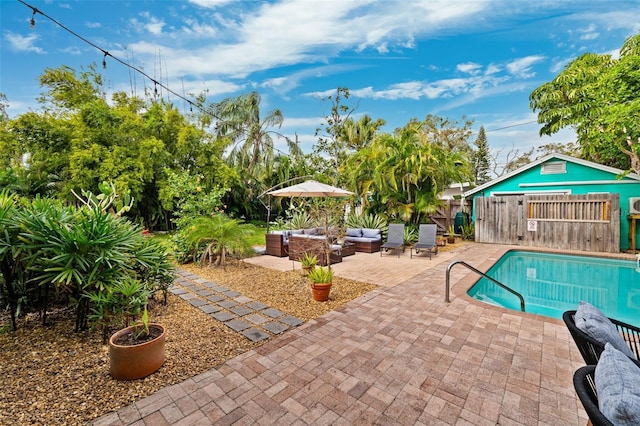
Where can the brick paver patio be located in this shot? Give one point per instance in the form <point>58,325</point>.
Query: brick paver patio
<point>396,356</point>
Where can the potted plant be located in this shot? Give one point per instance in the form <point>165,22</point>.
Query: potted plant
<point>135,351</point>
<point>451,237</point>
<point>308,262</point>
<point>321,279</point>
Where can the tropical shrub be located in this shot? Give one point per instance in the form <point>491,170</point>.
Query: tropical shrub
<point>372,221</point>
<point>301,220</point>
<point>76,255</point>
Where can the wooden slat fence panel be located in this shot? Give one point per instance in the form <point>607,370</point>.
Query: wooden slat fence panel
<point>572,222</point>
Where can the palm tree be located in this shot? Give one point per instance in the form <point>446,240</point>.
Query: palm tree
<point>239,120</point>
<point>221,234</point>
<point>358,134</point>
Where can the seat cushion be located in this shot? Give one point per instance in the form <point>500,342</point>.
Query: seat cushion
<point>617,381</point>
<point>361,239</point>
<point>596,325</point>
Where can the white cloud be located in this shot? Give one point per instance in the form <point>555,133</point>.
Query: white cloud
<point>210,3</point>
<point>522,67</point>
<point>22,43</point>
<point>259,40</point>
<point>469,68</point>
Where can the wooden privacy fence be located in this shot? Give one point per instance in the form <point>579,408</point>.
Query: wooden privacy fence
<point>571,222</point>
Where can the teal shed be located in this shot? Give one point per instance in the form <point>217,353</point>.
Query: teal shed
<point>558,174</point>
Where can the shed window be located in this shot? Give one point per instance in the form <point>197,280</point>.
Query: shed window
<point>554,168</point>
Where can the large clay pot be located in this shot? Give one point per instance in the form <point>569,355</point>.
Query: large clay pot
<point>321,291</point>
<point>129,362</point>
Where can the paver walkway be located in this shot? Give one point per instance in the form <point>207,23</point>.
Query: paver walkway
<point>253,319</point>
<point>396,356</point>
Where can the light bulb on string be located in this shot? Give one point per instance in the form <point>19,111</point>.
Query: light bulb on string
<point>32,21</point>
<point>104,60</point>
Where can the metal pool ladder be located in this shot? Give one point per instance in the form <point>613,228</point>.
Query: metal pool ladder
<point>498,283</point>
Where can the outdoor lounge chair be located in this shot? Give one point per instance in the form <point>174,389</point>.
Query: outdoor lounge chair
<point>426,240</point>
<point>590,349</point>
<point>395,238</point>
<point>584,383</point>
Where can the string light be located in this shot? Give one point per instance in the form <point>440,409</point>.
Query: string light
<point>106,53</point>
<point>32,23</point>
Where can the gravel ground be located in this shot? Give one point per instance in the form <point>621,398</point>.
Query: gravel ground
<point>53,376</point>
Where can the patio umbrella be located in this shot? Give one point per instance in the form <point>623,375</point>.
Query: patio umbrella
<point>310,188</point>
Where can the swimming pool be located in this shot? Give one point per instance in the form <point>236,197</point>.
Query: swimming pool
<point>553,283</point>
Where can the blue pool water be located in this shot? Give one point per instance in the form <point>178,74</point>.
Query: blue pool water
<point>554,283</point>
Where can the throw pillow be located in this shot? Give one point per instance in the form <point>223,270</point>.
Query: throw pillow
<point>354,232</point>
<point>370,233</point>
<point>596,325</point>
<point>617,381</point>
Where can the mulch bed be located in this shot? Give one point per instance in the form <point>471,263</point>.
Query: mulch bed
<point>54,376</point>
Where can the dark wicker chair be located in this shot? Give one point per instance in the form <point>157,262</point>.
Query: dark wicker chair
<point>583,382</point>
<point>591,349</point>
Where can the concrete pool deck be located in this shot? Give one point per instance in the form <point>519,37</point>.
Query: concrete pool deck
<point>398,355</point>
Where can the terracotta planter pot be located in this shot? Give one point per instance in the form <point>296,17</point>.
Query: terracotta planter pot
<point>306,270</point>
<point>136,361</point>
<point>320,292</point>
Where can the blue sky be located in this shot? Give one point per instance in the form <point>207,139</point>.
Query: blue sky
<point>400,59</point>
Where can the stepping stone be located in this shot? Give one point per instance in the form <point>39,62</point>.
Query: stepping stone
<point>178,290</point>
<point>243,299</point>
<point>189,275</point>
<point>273,313</point>
<point>256,319</point>
<point>255,335</point>
<point>210,284</point>
<point>204,292</point>
<point>190,286</point>
<point>219,289</point>
<point>215,298</point>
<point>197,302</point>
<point>227,304</point>
<point>230,293</point>
<point>223,316</point>
<point>258,306</point>
<point>188,296</point>
<point>201,280</point>
<point>210,309</point>
<point>275,327</point>
<point>240,310</point>
<point>291,321</point>
<point>237,325</point>
<point>181,280</point>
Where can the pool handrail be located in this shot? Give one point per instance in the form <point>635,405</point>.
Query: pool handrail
<point>498,283</point>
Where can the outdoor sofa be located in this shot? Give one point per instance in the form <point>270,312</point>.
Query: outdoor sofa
<point>278,241</point>
<point>366,240</point>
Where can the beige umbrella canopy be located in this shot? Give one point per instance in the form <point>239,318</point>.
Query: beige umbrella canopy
<point>310,188</point>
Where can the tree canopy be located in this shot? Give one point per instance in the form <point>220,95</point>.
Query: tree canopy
<point>598,96</point>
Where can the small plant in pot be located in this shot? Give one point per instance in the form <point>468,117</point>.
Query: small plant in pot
<point>135,351</point>
<point>321,279</point>
<point>308,262</point>
<point>451,238</point>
